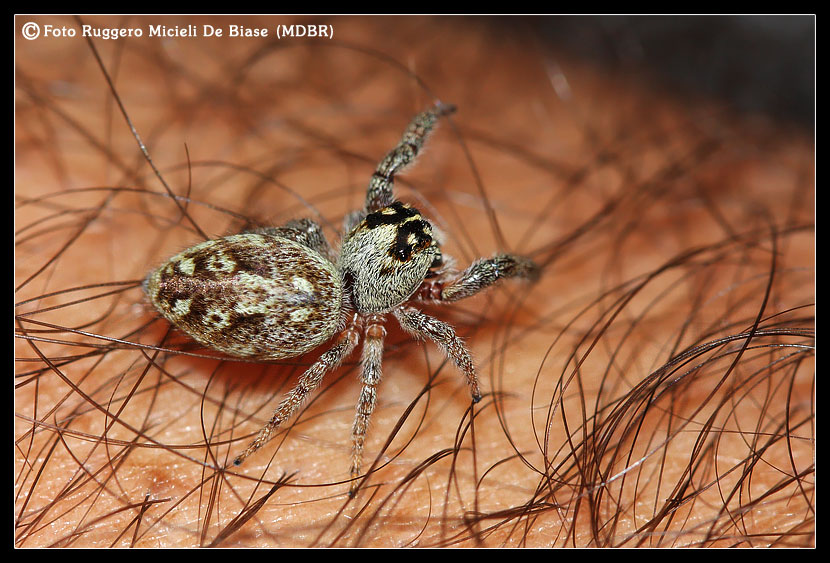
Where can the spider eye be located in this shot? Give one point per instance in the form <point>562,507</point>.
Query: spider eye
<point>438,260</point>
<point>412,234</point>
<point>402,253</point>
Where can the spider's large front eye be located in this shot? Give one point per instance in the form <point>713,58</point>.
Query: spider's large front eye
<point>412,236</point>
<point>407,232</point>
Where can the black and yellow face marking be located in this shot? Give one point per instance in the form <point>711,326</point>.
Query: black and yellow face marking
<point>413,233</point>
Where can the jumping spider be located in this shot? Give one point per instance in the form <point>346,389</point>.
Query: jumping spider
<point>277,293</point>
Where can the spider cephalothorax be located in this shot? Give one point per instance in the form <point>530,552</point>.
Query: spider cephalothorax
<point>386,256</point>
<point>280,292</point>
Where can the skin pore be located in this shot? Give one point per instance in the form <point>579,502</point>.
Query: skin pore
<point>655,387</point>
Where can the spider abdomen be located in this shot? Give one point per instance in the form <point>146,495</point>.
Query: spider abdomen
<point>251,295</point>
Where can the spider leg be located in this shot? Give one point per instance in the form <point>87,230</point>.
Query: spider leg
<point>309,381</point>
<point>372,359</point>
<point>379,194</point>
<point>423,326</point>
<point>304,231</point>
<point>479,276</point>
<point>351,220</point>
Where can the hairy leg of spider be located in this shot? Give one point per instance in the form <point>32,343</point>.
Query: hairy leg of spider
<point>423,326</point>
<point>351,220</point>
<point>380,194</point>
<point>304,231</point>
<point>308,382</point>
<point>479,276</point>
<point>372,361</point>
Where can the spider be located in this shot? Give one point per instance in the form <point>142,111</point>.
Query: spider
<point>279,292</point>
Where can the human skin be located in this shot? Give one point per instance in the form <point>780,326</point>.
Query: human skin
<point>653,388</point>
